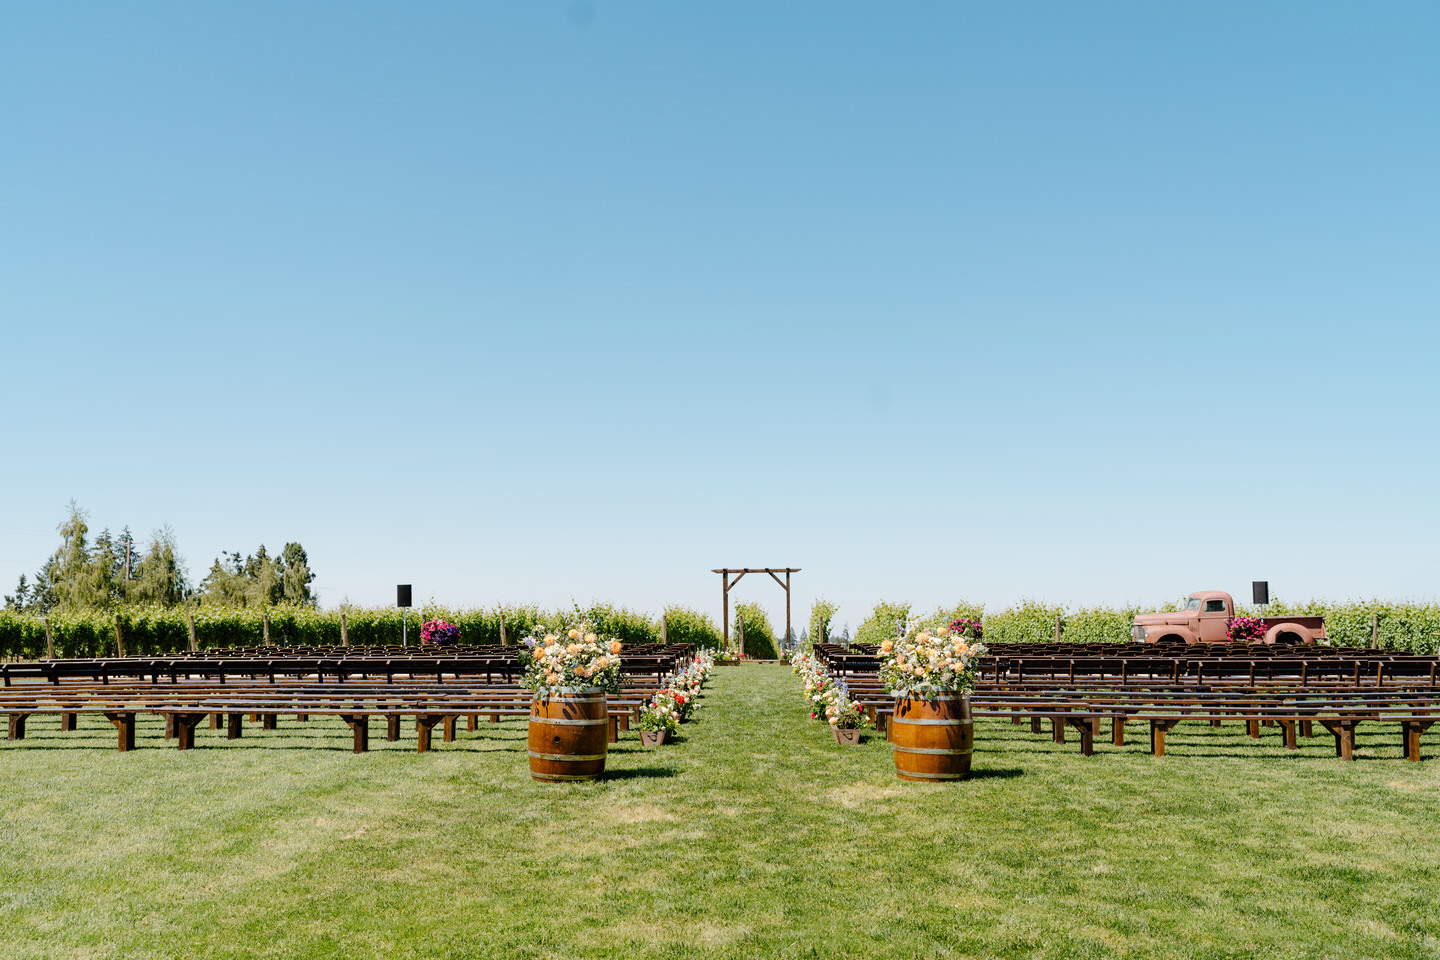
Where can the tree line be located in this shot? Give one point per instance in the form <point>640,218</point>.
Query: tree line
<point>106,572</point>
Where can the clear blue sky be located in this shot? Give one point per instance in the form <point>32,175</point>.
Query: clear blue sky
<point>524,301</point>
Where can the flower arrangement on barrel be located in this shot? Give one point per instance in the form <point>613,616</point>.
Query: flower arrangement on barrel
<point>570,669</point>
<point>570,660</point>
<point>930,671</point>
<point>1245,629</point>
<point>439,633</point>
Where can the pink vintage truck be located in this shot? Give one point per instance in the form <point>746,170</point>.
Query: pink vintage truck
<point>1203,619</point>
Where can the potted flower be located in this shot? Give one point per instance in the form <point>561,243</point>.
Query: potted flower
<point>439,633</point>
<point>659,719</point>
<point>570,670</point>
<point>930,671</point>
<point>846,717</point>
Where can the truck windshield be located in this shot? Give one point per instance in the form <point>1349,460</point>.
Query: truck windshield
<point>1192,603</point>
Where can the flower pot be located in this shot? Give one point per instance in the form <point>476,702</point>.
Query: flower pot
<point>653,738</point>
<point>933,738</point>
<point>569,734</point>
<point>846,738</point>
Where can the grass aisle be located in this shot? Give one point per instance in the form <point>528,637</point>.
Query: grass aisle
<point>756,837</point>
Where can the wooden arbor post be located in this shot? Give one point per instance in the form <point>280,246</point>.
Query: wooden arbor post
<point>726,584</point>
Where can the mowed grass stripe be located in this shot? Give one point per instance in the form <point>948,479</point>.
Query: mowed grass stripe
<point>756,836</point>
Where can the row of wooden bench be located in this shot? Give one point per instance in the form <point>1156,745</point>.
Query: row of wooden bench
<point>171,669</point>
<point>1294,710</point>
<point>184,705</point>
<point>1382,671</point>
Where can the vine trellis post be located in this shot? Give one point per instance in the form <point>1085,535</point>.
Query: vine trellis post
<point>726,584</point>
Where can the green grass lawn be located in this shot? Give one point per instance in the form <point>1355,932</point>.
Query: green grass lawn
<point>755,837</point>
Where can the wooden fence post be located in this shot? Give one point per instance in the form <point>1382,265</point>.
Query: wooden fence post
<point>265,615</point>
<point>193,645</point>
<point>740,629</point>
<point>502,628</point>
<point>664,629</point>
<point>344,631</point>
<point>49,641</point>
<point>119,640</point>
<point>1058,628</point>
<point>1375,630</point>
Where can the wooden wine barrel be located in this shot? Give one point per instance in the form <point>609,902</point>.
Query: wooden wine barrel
<point>569,734</point>
<point>933,738</point>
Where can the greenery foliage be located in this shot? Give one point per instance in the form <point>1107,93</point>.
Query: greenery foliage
<point>759,635</point>
<point>883,623</point>
<point>683,625</point>
<point>157,629</point>
<point>822,611</point>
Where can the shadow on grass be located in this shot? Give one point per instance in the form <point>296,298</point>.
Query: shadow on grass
<point>639,773</point>
<point>1007,773</point>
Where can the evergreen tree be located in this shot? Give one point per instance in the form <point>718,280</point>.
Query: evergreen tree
<point>159,576</point>
<point>296,576</point>
<point>19,601</point>
<point>70,571</point>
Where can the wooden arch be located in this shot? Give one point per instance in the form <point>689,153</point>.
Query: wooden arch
<point>726,584</point>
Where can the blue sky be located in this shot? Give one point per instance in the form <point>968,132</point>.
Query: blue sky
<point>525,301</point>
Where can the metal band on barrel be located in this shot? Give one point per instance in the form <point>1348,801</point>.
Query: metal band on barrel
<point>570,723</point>
<point>567,756</point>
<point>939,751</point>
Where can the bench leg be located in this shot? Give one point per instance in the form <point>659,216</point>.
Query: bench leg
<point>624,720</point>
<point>1252,729</point>
<point>450,729</point>
<point>614,732</point>
<point>1035,721</point>
<point>17,726</point>
<point>472,722</point>
<point>125,728</point>
<point>185,724</point>
<point>1288,728</point>
<point>1086,726</point>
<point>267,720</point>
<point>392,727</point>
<point>1411,730</point>
<point>1057,729</point>
<point>169,726</point>
<point>1344,732</point>
<point>1117,731</point>
<point>494,718</point>
<point>234,723</point>
<point>302,718</point>
<point>1307,728</point>
<point>67,722</point>
<point>1214,721</point>
<point>1158,729</point>
<point>423,723</point>
<point>1015,716</point>
<point>360,725</point>
<point>214,721</point>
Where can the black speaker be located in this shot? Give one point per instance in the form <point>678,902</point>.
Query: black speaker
<point>402,595</point>
<point>1260,591</point>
